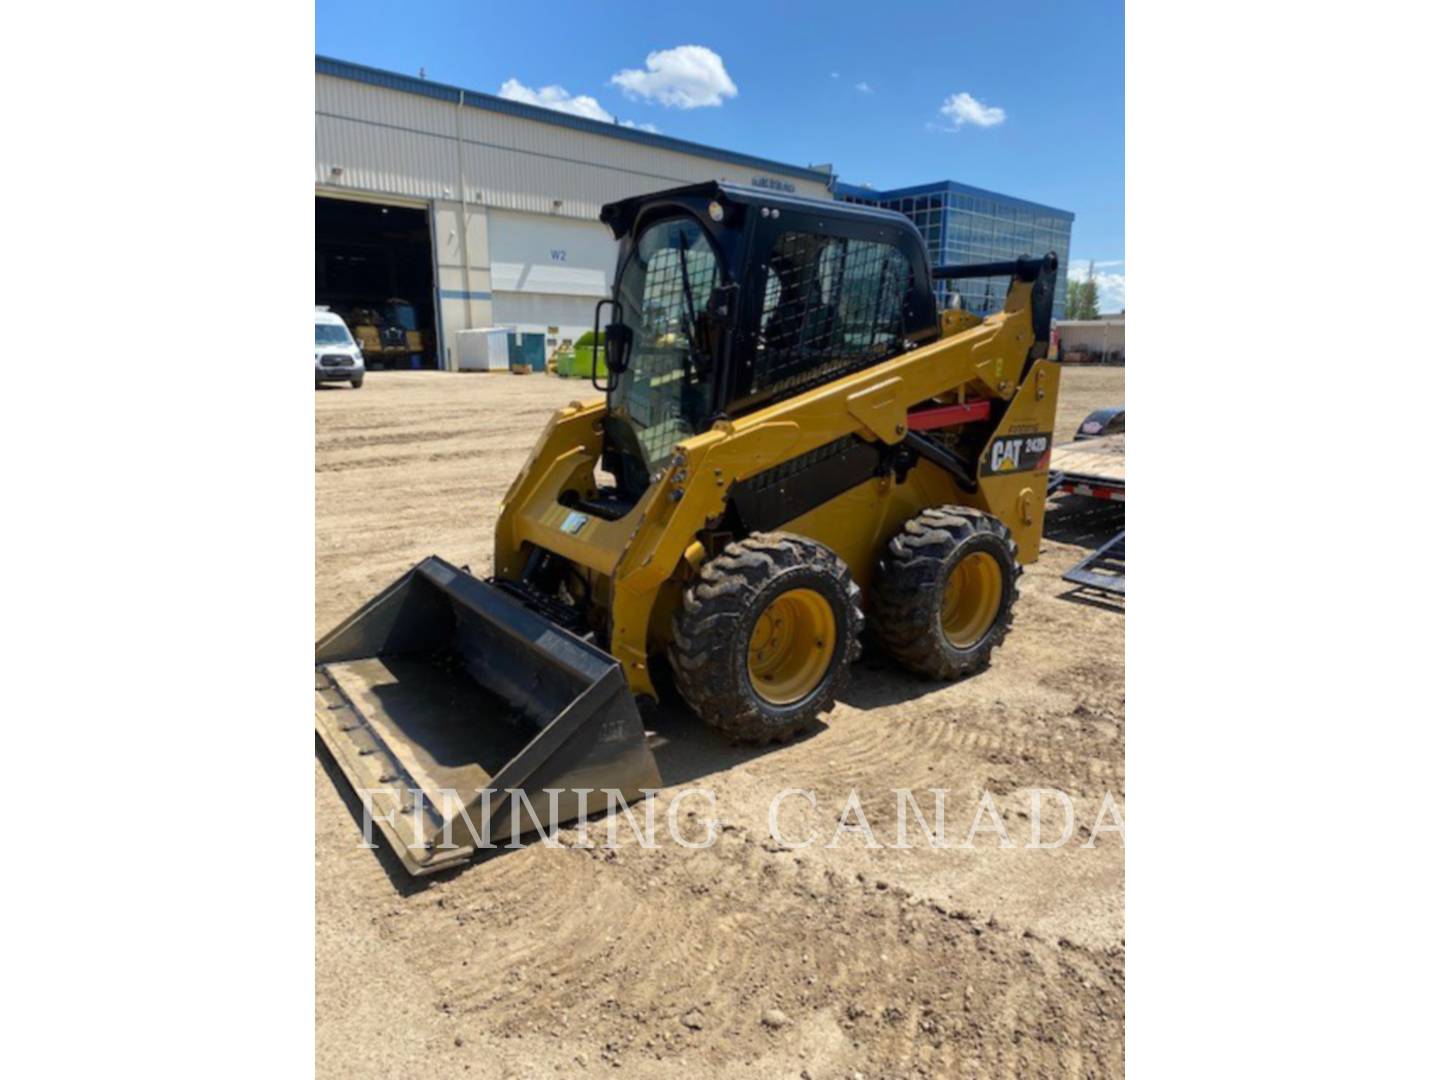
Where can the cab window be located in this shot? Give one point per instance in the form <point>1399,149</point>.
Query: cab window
<point>831,305</point>
<point>664,290</point>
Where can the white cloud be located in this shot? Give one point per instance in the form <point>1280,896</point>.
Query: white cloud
<point>685,77</point>
<point>864,88</point>
<point>962,109</point>
<point>834,74</point>
<point>557,98</point>
<point>1109,283</point>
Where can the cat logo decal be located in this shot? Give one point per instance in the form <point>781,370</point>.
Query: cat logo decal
<point>1020,453</point>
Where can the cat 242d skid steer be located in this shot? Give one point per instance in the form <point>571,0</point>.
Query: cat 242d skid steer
<point>793,444</point>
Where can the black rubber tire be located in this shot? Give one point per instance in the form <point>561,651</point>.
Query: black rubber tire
<point>909,589</point>
<point>357,382</point>
<point>710,639</point>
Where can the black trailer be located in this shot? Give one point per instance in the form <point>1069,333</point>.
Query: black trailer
<point>1093,466</point>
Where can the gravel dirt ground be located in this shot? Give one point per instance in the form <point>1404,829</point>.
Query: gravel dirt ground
<point>744,959</point>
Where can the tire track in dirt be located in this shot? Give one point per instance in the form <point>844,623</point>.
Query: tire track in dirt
<point>905,752</point>
<point>703,972</point>
<point>405,460</point>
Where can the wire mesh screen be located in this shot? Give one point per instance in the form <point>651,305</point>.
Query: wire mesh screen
<point>664,285</point>
<point>832,305</point>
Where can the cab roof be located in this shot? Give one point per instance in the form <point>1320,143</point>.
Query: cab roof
<point>621,215</point>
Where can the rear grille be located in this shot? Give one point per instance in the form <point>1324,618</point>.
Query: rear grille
<point>334,360</point>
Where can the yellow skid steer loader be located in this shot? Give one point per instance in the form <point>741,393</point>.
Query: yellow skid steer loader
<point>793,444</point>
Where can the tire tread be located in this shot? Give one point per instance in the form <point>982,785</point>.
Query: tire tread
<point>910,582</point>
<point>714,613</point>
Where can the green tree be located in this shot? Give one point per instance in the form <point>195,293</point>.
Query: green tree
<point>1082,298</point>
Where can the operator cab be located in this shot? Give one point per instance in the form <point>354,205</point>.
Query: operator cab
<point>728,299</point>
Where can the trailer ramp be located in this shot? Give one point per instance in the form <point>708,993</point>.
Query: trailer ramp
<point>1102,569</point>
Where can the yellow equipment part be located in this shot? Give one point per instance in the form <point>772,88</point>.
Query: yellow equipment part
<point>972,599</point>
<point>638,562</point>
<point>791,646</point>
<point>446,689</point>
<point>368,338</point>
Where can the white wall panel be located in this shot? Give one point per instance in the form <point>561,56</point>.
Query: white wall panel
<point>453,278</point>
<point>534,313</point>
<point>448,248</point>
<point>549,254</point>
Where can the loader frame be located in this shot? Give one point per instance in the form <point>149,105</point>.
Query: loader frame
<point>636,563</point>
<point>446,690</point>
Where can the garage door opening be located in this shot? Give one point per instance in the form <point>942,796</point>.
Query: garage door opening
<point>375,269</point>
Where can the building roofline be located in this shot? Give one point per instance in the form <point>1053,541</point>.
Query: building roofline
<point>947,186</point>
<point>391,80</point>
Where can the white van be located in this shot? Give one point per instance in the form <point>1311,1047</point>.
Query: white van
<point>337,357</point>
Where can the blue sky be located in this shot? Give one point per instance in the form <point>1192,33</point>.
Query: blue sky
<point>1023,99</point>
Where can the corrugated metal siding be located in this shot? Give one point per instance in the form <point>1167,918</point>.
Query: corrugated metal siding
<point>402,143</point>
<point>384,160</point>
<point>342,97</point>
<point>453,95</point>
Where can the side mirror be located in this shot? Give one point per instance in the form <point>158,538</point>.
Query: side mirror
<point>618,337</point>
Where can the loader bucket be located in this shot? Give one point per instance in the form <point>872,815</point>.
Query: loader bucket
<point>444,694</point>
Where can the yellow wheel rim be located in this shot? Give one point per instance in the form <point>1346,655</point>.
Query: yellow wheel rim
<point>972,599</point>
<point>791,646</point>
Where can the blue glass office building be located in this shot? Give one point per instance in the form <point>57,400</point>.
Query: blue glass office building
<point>963,224</point>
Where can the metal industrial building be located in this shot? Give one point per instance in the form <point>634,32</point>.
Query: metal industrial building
<point>484,212</point>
